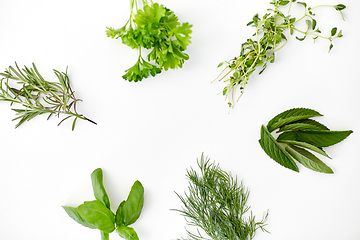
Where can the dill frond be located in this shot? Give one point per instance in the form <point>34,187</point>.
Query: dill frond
<point>216,202</point>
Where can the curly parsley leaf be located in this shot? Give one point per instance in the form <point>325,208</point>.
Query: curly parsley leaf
<point>140,70</point>
<point>158,29</point>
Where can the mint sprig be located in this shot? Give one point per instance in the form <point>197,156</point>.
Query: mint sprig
<point>300,139</point>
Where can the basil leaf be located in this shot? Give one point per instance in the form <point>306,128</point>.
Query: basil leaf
<point>274,150</point>
<point>316,137</point>
<point>98,215</point>
<point>119,219</point>
<point>75,214</point>
<point>305,145</point>
<point>308,159</point>
<point>291,116</point>
<point>104,236</point>
<point>133,205</point>
<point>127,232</point>
<point>98,187</point>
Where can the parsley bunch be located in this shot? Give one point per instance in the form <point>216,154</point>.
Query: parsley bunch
<point>158,29</point>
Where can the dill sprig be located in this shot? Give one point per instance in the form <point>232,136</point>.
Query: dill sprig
<point>217,203</point>
<point>37,96</point>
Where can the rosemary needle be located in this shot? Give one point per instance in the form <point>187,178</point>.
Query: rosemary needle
<point>26,87</point>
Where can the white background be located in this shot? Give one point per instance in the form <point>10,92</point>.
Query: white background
<point>156,129</point>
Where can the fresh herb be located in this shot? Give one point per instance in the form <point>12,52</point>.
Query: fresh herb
<point>217,204</point>
<point>299,134</point>
<point>97,214</point>
<point>272,32</point>
<point>38,96</point>
<point>157,28</point>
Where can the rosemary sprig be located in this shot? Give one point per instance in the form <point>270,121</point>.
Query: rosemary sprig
<point>272,32</point>
<point>37,96</point>
<point>217,204</point>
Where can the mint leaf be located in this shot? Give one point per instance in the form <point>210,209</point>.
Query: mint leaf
<point>305,145</point>
<point>308,159</point>
<point>304,124</point>
<point>298,126</point>
<point>290,116</point>
<point>274,150</point>
<point>317,138</point>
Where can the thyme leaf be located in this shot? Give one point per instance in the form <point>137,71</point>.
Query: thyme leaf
<point>272,33</point>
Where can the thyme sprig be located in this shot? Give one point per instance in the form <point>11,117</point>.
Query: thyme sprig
<point>272,33</point>
<point>38,96</point>
<point>217,203</point>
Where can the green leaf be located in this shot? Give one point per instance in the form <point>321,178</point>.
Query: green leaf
<point>313,24</point>
<point>290,116</point>
<point>98,187</point>
<point>340,7</point>
<point>302,3</point>
<point>305,124</point>
<point>305,145</point>
<point>76,215</point>
<point>141,70</point>
<point>318,138</point>
<point>119,219</point>
<point>74,122</point>
<point>331,46</point>
<point>308,159</point>
<point>150,15</point>
<point>340,34</point>
<point>104,235</point>
<point>127,232</point>
<point>333,31</point>
<point>182,34</point>
<point>301,39</point>
<point>274,150</point>
<point>283,3</point>
<point>297,126</point>
<point>133,205</point>
<point>308,23</point>
<point>98,215</point>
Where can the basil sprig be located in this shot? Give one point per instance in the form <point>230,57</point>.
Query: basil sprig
<point>98,215</point>
<point>300,139</point>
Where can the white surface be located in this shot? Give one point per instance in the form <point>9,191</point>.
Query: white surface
<point>154,130</point>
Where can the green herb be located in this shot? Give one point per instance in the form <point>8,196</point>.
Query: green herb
<point>157,28</point>
<point>39,96</point>
<point>98,215</point>
<point>217,204</point>
<point>272,32</point>
<point>299,134</point>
